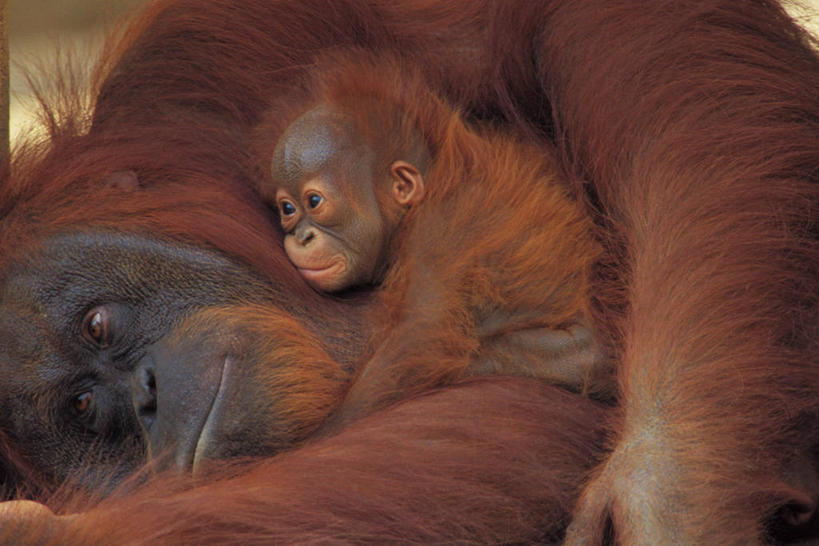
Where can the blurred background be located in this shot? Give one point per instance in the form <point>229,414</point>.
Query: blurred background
<point>39,28</point>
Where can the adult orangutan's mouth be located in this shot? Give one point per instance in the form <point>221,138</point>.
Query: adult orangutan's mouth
<point>206,436</point>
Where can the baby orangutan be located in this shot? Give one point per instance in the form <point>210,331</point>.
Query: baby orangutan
<point>482,257</point>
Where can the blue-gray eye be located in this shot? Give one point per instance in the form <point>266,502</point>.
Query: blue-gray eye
<point>287,208</point>
<point>313,201</point>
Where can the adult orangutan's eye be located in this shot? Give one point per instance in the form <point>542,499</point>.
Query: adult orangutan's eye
<point>96,326</point>
<point>83,403</point>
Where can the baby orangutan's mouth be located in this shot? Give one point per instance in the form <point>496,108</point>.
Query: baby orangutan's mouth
<point>320,276</point>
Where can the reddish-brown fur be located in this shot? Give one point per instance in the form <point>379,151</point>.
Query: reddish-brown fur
<point>705,157</point>
<point>495,251</point>
<point>697,127</point>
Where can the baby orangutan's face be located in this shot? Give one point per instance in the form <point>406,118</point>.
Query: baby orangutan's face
<point>334,233</point>
<point>338,214</point>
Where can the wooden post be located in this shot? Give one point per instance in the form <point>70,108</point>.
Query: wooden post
<point>4,82</point>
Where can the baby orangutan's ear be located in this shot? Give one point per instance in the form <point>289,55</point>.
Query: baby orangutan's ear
<point>408,184</point>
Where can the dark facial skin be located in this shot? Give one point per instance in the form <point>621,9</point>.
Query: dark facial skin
<point>338,214</point>
<point>76,319</point>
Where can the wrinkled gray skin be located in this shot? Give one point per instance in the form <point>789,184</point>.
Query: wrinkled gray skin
<point>145,287</point>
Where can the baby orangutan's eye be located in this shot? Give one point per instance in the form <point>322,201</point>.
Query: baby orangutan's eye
<point>314,200</point>
<point>287,208</point>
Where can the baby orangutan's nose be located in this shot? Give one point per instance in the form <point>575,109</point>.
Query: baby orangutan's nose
<point>305,235</point>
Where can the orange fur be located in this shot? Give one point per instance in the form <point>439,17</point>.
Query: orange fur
<point>497,246</point>
<point>695,127</point>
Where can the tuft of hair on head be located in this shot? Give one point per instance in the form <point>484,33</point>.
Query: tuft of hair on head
<point>386,98</point>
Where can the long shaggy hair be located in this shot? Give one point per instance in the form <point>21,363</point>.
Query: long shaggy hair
<point>695,128</point>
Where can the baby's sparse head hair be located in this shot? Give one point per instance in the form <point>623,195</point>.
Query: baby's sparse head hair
<point>359,101</point>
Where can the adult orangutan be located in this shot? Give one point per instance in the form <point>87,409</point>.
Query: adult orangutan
<point>696,126</point>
